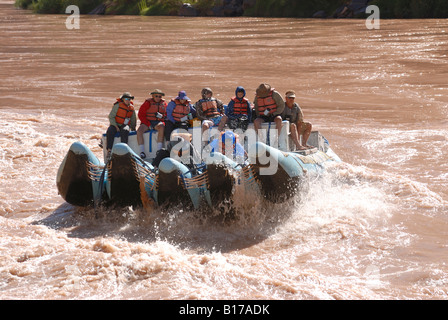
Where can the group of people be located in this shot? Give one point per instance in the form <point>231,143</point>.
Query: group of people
<point>164,117</point>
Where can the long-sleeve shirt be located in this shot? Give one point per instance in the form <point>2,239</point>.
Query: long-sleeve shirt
<point>142,113</point>
<point>113,114</point>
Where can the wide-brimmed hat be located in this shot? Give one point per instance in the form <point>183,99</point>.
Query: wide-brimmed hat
<point>126,95</point>
<point>263,90</point>
<point>158,91</point>
<point>182,95</point>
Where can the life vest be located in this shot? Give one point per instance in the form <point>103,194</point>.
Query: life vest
<point>155,107</point>
<point>123,112</point>
<point>240,106</point>
<point>180,111</point>
<point>267,103</point>
<point>210,108</point>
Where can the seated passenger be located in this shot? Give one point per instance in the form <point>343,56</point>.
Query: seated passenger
<point>298,128</point>
<point>152,115</point>
<point>239,111</point>
<point>178,112</point>
<point>210,111</point>
<point>122,119</point>
<point>268,105</point>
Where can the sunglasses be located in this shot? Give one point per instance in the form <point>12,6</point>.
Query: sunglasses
<point>157,96</point>
<point>127,99</point>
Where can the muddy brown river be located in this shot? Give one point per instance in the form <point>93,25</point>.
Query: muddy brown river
<point>373,227</point>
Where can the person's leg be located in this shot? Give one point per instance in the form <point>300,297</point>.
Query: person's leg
<point>257,124</point>
<point>295,136</point>
<point>222,123</point>
<point>169,127</point>
<point>110,134</point>
<point>278,124</point>
<point>140,131</point>
<point>124,134</point>
<point>160,128</point>
<point>304,128</point>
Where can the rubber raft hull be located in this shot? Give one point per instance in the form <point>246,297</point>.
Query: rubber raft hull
<point>127,180</point>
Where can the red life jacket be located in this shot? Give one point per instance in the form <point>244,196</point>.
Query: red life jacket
<point>210,108</point>
<point>180,111</point>
<point>267,103</point>
<point>155,107</point>
<point>123,111</point>
<point>240,106</point>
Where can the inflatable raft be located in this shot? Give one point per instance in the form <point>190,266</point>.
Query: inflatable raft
<point>272,170</point>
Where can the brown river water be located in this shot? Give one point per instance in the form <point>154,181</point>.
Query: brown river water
<point>373,227</point>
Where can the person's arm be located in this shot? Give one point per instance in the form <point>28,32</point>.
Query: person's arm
<point>299,114</point>
<point>193,111</point>
<point>199,112</point>
<point>164,111</point>
<point>133,123</point>
<point>229,111</point>
<point>279,102</point>
<point>220,106</point>
<point>142,113</point>
<point>169,111</point>
<point>249,111</point>
<point>256,107</point>
<point>112,115</point>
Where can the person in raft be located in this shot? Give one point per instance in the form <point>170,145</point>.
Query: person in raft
<point>122,119</point>
<point>178,112</point>
<point>152,115</point>
<point>210,111</point>
<point>298,128</point>
<point>269,106</point>
<point>239,111</point>
<point>229,146</point>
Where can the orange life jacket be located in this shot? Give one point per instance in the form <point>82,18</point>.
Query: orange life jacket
<point>210,108</point>
<point>155,107</point>
<point>180,111</point>
<point>267,103</point>
<point>123,112</point>
<point>240,106</point>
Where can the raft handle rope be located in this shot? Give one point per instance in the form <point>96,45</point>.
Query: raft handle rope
<point>199,181</point>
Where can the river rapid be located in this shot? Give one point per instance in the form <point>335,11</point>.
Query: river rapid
<point>373,227</point>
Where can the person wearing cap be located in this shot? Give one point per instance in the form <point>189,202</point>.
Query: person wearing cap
<point>298,128</point>
<point>178,112</point>
<point>269,106</point>
<point>239,111</point>
<point>152,114</point>
<point>210,111</point>
<point>122,119</point>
